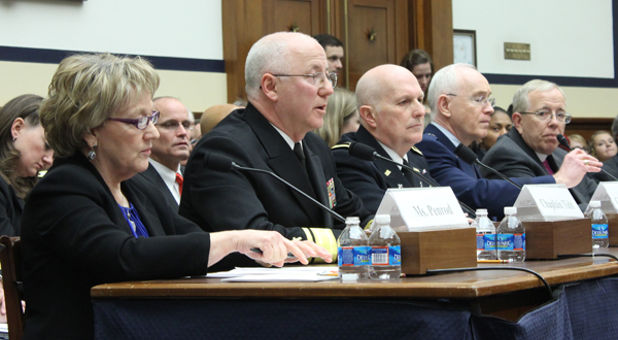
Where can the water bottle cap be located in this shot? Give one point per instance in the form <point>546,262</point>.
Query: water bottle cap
<point>510,210</point>
<point>595,204</point>
<point>352,220</point>
<point>481,211</point>
<point>383,219</point>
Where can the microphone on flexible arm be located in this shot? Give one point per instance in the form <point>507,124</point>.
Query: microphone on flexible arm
<point>469,156</point>
<point>366,152</point>
<point>221,163</point>
<point>564,142</point>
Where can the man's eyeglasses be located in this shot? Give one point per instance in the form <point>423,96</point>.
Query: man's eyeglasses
<point>141,122</point>
<point>174,124</point>
<point>480,100</point>
<point>316,79</point>
<point>546,115</point>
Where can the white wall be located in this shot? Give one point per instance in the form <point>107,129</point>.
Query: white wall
<point>181,28</point>
<point>569,38</point>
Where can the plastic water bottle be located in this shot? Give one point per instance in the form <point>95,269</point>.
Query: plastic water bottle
<point>511,237</point>
<point>600,231</point>
<point>385,251</point>
<point>353,252</point>
<point>485,236</point>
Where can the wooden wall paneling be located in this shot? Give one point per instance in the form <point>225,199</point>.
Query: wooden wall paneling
<point>371,36</point>
<point>431,28</point>
<point>587,126</point>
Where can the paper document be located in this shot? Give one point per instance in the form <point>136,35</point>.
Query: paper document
<point>287,274</point>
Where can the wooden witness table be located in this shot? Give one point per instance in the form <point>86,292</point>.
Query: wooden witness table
<point>506,294</point>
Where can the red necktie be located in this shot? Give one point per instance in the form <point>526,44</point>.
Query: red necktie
<point>547,167</point>
<point>179,180</point>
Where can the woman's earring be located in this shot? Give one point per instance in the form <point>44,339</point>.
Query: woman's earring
<point>92,154</point>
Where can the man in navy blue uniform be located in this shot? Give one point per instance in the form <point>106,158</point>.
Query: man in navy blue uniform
<point>460,100</point>
<point>390,105</point>
<point>287,87</point>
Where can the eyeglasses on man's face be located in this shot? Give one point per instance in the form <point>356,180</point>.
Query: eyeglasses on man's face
<point>316,78</point>
<point>141,122</point>
<point>546,115</point>
<point>481,100</point>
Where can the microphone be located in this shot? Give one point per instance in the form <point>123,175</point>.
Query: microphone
<point>469,156</point>
<point>365,152</point>
<point>220,163</point>
<point>564,142</point>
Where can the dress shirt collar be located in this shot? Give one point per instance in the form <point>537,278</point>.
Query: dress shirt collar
<point>168,176</point>
<point>541,156</point>
<point>393,155</point>
<point>447,133</point>
<point>286,138</point>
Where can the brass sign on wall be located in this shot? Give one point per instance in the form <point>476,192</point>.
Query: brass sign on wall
<point>516,51</point>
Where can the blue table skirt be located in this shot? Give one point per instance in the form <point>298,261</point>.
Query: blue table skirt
<point>585,310</point>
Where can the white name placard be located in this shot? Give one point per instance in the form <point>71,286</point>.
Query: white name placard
<point>419,209</point>
<point>607,193</point>
<point>546,202</point>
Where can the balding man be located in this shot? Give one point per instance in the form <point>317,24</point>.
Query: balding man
<point>287,87</point>
<point>170,149</point>
<point>531,147</point>
<point>460,98</point>
<point>390,104</point>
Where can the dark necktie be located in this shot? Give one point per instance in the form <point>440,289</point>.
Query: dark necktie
<point>298,150</point>
<point>407,173</point>
<point>547,166</point>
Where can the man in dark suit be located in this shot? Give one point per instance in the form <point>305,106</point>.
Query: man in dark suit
<point>531,147</point>
<point>459,97</point>
<point>171,148</point>
<point>287,88</point>
<point>390,105</point>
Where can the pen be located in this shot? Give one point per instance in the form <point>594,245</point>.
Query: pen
<point>259,251</point>
<point>491,261</point>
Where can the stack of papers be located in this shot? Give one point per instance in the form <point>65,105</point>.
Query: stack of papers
<point>285,274</point>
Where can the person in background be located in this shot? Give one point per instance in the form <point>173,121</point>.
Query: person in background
<point>195,132</point>
<point>333,48</point>
<point>88,222</point>
<point>341,116</point>
<point>213,115</point>
<point>499,124</point>
<point>419,62</point>
<point>24,152</point>
<point>578,141</point>
<point>603,146</point>
<point>169,150</point>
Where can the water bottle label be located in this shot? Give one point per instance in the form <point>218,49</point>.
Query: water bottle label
<point>345,256</point>
<point>386,256</point>
<point>600,231</point>
<point>489,242</point>
<point>479,242</point>
<point>362,256</point>
<point>519,241</point>
<point>354,256</point>
<point>505,242</point>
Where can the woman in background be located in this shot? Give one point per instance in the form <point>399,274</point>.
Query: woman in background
<point>89,221</point>
<point>23,153</point>
<point>603,147</point>
<point>341,116</point>
<point>578,141</point>
<point>499,124</point>
<point>419,62</point>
